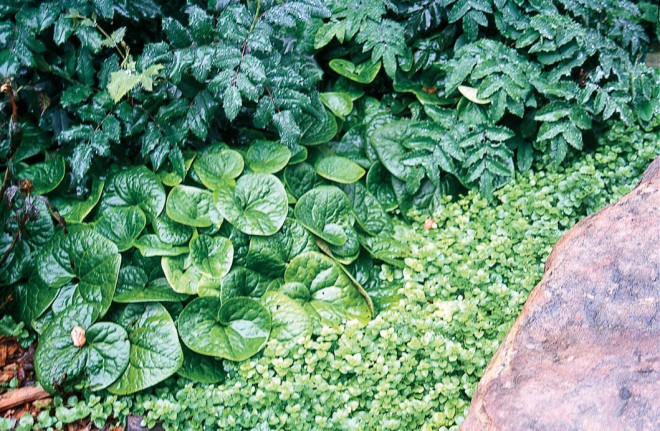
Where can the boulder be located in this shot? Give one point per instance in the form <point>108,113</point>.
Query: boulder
<point>584,354</point>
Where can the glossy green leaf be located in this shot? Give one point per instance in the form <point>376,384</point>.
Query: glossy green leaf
<point>330,295</point>
<point>269,255</point>
<point>363,73</point>
<point>33,298</point>
<point>338,169</point>
<point>218,167</point>
<point>369,213</point>
<point>289,319</point>
<point>325,211</point>
<point>192,206</point>
<point>85,260</point>
<point>211,256</point>
<point>257,205</point>
<point>122,226</point>
<point>155,352</point>
<point>100,360</point>
<point>301,178</point>
<point>74,210</point>
<point>379,185</point>
<point>267,157</point>
<point>242,281</point>
<point>150,245</point>
<point>45,176</point>
<point>236,329</point>
<point>133,285</point>
<point>388,143</point>
<point>137,187</point>
<point>171,232</point>
<point>181,274</point>
<point>200,368</point>
<point>339,103</point>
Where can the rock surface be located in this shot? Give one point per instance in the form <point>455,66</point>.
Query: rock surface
<point>584,354</point>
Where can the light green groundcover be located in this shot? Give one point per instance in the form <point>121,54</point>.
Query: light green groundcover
<point>416,365</point>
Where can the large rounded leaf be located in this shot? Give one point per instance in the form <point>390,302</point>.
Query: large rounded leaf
<point>269,255</point>
<point>257,205</point>
<point>44,176</point>
<point>136,186</point>
<point>235,330</point>
<point>121,226</point>
<point>192,207</point>
<point>290,320</point>
<point>338,169</point>
<point>155,352</point>
<point>330,295</point>
<point>218,168</point>
<point>212,256</point>
<point>85,260</point>
<point>325,211</point>
<point>363,73</point>
<point>267,157</point>
<point>71,349</point>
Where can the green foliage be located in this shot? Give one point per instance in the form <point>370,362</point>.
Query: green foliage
<point>416,365</point>
<point>229,167</point>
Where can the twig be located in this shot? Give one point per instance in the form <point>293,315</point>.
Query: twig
<point>22,395</point>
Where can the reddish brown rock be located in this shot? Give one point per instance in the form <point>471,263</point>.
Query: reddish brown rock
<point>584,354</point>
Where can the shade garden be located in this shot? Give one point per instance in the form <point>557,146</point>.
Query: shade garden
<point>260,215</point>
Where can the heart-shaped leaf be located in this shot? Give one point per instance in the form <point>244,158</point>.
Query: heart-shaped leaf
<point>289,319</point>
<point>211,256</point>
<point>338,169</point>
<point>236,329</point>
<point>330,295</point>
<point>122,226</point>
<point>267,157</point>
<point>192,207</point>
<point>44,176</point>
<point>325,211</point>
<point>136,186</point>
<point>85,260</point>
<point>155,352</point>
<point>71,349</point>
<point>183,276</point>
<point>218,167</point>
<point>257,205</point>
<point>269,255</point>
